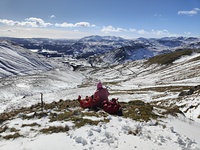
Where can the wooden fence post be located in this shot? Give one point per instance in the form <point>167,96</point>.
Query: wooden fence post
<point>42,102</point>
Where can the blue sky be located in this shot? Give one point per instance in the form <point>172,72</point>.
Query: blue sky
<point>79,18</point>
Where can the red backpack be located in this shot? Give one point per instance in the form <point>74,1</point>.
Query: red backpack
<point>111,107</point>
<point>89,102</point>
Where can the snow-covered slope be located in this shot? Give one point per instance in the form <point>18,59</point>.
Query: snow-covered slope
<point>158,85</point>
<point>15,60</point>
<point>24,74</point>
<point>154,82</point>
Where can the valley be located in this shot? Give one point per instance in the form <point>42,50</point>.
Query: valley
<point>144,87</point>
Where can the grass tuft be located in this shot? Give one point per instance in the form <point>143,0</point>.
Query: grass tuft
<point>79,122</point>
<point>3,129</point>
<point>31,125</point>
<point>12,136</point>
<point>138,110</point>
<point>55,129</point>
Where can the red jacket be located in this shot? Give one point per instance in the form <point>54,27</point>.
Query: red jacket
<point>102,94</point>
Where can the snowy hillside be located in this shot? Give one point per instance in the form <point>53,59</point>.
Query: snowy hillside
<point>159,96</point>
<point>15,60</point>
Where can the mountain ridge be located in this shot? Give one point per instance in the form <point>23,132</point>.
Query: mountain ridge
<point>91,46</point>
<point>104,50</point>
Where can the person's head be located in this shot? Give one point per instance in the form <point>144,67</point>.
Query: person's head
<point>99,86</point>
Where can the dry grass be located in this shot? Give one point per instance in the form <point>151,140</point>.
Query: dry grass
<point>166,59</point>
<point>70,110</point>
<point>54,129</point>
<point>31,125</point>
<point>138,110</point>
<point>3,129</point>
<point>172,111</point>
<point>12,136</point>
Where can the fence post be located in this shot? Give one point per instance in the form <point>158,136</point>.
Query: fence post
<point>42,102</point>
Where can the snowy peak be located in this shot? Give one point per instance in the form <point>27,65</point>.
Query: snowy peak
<point>15,60</point>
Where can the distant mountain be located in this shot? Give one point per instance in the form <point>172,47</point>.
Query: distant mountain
<point>97,38</point>
<point>82,48</point>
<point>126,53</point>
<point>109,48</point>
<point>97,45</point>
<point>44,45</point>
<point>143,48</point>
<point>16,60</point>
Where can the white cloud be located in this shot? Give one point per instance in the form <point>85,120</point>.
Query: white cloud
<point>29,22</point>
<point>65,25</point>
<point>152,33</point>
<point>197,9</point>
<point>132,30</point>
<point>142,31</point>
<point>188,33</point>
<point>71,25</point>
<point>52,16</point>
<point>8,22</point>
<point>109,29</point>
<point>189,12</point>
<point>82,24</point>
<point>157,15</point>
<point>38,22</point>
<point>160,32</point>
<point>24,32</point>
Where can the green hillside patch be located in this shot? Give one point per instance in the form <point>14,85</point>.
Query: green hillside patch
<point>169,58</point>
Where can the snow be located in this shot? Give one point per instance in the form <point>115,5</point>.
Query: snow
<point>133,81</point>
<point>185,58</point>
<point>118,134</point>
<point>183,127</point>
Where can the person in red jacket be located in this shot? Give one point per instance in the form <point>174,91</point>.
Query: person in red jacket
<point>101,93</point>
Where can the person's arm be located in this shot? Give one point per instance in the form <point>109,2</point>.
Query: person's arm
<point>95,94</point>
<point>106,92</point>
